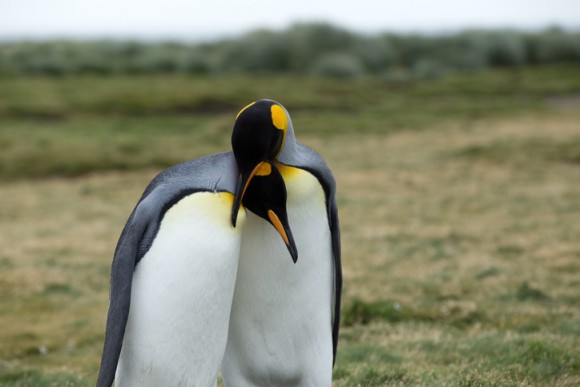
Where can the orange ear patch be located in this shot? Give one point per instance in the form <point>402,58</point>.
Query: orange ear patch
<point>279,118</point>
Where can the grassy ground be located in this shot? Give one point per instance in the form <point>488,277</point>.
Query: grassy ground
<point>459,204</point>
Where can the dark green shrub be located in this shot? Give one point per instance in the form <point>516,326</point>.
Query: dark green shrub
<point>303,48</point>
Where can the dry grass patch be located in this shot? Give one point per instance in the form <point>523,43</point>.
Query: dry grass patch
<point>461,266</point>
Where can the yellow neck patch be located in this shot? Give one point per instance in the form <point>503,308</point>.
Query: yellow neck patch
<point>279,118</point>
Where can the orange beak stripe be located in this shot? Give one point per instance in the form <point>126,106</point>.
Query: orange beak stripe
<point>255,171</point>
<point>278,225</point>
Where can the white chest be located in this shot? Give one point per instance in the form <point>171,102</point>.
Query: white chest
<point>181,296</point>
<point>280,328</point>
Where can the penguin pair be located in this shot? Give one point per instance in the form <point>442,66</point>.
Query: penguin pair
<point>200,276</point>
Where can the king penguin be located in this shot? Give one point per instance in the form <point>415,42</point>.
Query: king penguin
<point>285,316</point>
<point>174,272</point>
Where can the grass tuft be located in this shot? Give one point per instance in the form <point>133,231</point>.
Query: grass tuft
<point>361,312</point>
<point>527,293</point>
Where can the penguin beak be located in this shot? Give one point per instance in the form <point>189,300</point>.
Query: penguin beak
<point>267,199</point>
<point>283,229</point>
<point>244,180</point>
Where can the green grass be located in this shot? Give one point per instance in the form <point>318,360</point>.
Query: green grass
<point>73,126</point>
<point>458,199</point>
<point>490,92</point>
<point>38,378</point>
<point>455,358</point>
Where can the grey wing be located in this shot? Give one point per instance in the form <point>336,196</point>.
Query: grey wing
<point>120,293</point>
<point>213,173</point>
<point>335,235</point>
<point>307,159</point>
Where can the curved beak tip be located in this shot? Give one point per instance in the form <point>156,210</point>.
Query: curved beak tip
<point>238,195</point>
<point>234,218</point>
<point>293,253</point>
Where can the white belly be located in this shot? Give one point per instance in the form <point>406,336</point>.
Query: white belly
<point>181,297</point>
<point>280,327</point>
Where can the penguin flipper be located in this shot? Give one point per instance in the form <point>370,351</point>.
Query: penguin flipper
<point>213,173</point>
<point>335,235</point>
<point>122,270</point>
<point>308,160</point>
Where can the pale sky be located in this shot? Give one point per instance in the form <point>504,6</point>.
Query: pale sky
<point>203,19</point>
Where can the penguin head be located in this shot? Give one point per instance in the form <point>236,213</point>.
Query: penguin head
<point>258,136</point>
<point>265,196</point>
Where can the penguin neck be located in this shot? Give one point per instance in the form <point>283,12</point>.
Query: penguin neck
<point>288,153</point>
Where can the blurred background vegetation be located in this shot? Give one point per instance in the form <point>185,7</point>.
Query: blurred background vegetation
<point>321,49</point>
<point>457,159</point>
